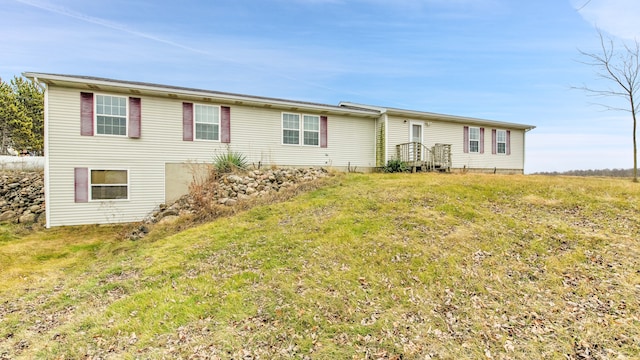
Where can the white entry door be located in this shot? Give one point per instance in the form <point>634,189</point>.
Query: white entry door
<point>416,140</point>
<point>416,133</point>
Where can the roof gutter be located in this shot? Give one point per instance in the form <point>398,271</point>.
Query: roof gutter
<point>212,95</point>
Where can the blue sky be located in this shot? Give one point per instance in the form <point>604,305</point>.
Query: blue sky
<point>506,60</point>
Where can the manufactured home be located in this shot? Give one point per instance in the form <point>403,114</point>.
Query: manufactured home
<point>115,150</point>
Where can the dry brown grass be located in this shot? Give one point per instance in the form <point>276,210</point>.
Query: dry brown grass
<point>368,267</point>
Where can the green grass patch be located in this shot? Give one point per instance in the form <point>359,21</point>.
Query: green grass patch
<point>371,266</point>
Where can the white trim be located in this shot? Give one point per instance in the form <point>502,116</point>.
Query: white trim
<point>429,116</point>
<point>188,93</point>
<point>90,185</point>
<point>47,185</point>
<point>524,147</point>
<point>95,115</point>
<point>193,123</point>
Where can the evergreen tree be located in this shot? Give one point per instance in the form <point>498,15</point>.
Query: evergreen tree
<point>21,116</point>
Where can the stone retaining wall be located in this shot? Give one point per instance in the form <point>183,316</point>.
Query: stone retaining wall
<point>230,189</point>
<point>22,193</point>
<point>22,196</point>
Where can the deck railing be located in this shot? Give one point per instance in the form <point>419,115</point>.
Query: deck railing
<point>441,154</point>
<point>414,154</point>
<point>417,155</point>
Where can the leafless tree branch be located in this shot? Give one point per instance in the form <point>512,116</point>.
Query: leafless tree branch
<point>622,68</point>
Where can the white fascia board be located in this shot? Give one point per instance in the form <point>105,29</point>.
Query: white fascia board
<point>197,93</point>
<point>442,117</point>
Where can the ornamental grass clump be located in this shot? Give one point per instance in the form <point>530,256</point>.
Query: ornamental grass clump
<point>230,161</point>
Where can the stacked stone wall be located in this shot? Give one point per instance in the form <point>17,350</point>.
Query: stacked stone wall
<point>22,196</point>
<point>230,189</point>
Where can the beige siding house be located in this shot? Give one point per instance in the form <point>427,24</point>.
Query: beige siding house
<point>115,150</point>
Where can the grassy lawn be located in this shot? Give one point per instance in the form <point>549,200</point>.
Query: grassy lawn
<point>379,266</point>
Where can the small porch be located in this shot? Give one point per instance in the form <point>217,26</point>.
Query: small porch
<point>419,157</point>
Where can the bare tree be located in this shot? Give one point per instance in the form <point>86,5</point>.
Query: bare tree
<point>621,66</point>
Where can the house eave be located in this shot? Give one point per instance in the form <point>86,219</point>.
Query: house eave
<point>429,116</point>
<point>196,95</point>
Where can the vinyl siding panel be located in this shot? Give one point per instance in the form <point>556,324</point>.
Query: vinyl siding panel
<point>397,133</point>
<point>256,133</point>
<point>452,133</point>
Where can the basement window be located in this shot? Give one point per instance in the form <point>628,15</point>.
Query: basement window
<point>109,184</point>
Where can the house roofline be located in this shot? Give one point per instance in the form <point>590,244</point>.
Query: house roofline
<point>91,83</point>
<point>435,116</point>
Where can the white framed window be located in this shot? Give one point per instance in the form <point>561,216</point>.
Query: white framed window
<point>206,122</point>
<point>501,141</point>
<point>109,184</point>
<point>111,115</point>
<point>300,129</point>
<point>474,139</point>
<point>291,129</point>
<point>311,127</point>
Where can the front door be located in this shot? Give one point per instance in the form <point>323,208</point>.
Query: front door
<point>416,140</point>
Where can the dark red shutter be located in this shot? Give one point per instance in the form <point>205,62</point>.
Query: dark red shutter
<point>481,140</point>
<point>86,114</point>
<point>323,132</point>
<point>81,184</point>
<point>135,116</point>
<point>187,121</point>
<point>225,124</point>
<point>493,141</point>
<point>465,145</point>
<point>508,142</point>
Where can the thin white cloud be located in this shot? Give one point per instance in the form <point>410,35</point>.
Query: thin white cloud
<point>253,56</point>
<point>98,21</point>
<point>454,9</point>
<point>617,17</point>
<point>265,58</point>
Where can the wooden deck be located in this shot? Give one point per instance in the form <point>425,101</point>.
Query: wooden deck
<point>421,158</point>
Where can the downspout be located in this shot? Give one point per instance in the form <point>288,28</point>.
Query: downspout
<point>386,136</point>
<point>375,145</point>
<point>45,127</point>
